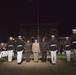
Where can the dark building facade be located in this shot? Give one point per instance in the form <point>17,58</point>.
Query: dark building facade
<point>33,30</point>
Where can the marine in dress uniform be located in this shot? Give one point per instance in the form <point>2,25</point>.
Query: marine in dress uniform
<point>67,48</point>
<point>35,50</point>
<point>3,51</point>
<point>44,48</point>
<point>28,49</point>
<point>10,48</point>
<point>73,43</point>
<point>20,48</point>
<point>53,46</point>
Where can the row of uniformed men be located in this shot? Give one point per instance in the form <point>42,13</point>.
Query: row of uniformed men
<point>53,46</point>
<point>35,47</point>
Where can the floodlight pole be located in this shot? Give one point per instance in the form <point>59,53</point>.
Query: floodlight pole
<point>38,17</point>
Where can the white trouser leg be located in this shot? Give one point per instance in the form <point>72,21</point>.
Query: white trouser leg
<point>5,54</point>
<point>75,55</point>
<point>10,55</point>
<point>68,55</point>
<point>0,54</point>
<point>19,56</point>
<point>53,56</point>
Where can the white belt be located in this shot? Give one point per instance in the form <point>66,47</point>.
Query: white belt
<point>19,46</point>
<point>53,45</point>
<point>67,45</point>
<point>74,42</point>
<point>10,45</point>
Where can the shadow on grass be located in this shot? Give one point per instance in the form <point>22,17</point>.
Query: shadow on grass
<point>63,57</point>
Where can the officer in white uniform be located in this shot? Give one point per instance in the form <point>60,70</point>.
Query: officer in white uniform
<point>73,43</point>
<point>53,46</point>
<point>67,48</point>
<point>20,48</point>
<point>10,48</point>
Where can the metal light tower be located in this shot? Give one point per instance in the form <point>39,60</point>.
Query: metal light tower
<point>38,17</point>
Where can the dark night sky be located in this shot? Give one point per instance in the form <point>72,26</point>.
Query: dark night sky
<point>25,11</point>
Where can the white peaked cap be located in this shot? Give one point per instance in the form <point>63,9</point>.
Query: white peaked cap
<point>73,29</point>
<point>66,37</point>
<point>2,43</point>
<point>19,36</point>
<point>52,35</point>
<point>10,37</point>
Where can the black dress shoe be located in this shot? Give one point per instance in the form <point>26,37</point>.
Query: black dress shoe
<point>18,63</point>
<point>54,63</point>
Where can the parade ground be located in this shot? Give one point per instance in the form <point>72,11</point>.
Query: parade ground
<point>41,68</point>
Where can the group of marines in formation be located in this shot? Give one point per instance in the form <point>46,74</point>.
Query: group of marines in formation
<point>21,46</point>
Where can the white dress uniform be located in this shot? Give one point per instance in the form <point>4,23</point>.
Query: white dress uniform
<point>4,52</point>
<point>53,47</point>
<point>20,48</point>
<point>73,44</point>
<point>67,48</point>
<point>10,48</point>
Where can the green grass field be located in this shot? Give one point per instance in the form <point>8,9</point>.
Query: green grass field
<point>63,57</point>
<point>59,56</point>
